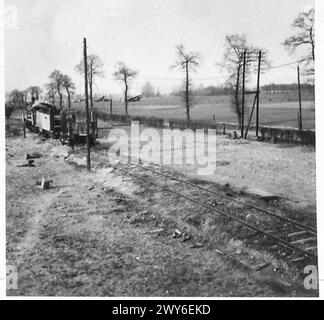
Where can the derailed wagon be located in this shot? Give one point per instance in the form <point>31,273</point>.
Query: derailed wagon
<point>65,125</point>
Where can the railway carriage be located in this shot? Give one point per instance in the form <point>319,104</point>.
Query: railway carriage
<point>65,125</point>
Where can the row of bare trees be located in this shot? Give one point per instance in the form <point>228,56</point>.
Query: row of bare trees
<point>235,45</point>
<point>188,61</point>
<point>19,98</point>
<point>233,60</point>
<point>95,69</point>
<point>57,83</point>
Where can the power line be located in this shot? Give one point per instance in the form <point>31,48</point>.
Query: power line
<point>283,65</point>
<point>179,79</point>
<point>145,76</point>
<point>220,77</point>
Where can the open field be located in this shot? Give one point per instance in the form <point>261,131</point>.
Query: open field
<point>265,98</point>
<point>271,113</point>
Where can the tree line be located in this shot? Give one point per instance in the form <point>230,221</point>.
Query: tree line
<point>188,61</point>
<point>226,90</point>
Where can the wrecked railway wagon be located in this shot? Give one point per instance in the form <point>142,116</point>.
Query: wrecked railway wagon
<point>65,125</point>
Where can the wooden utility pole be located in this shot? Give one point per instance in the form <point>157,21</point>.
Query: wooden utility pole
<point>243,94</point>
<point>249,122</point>
<point>111,107</point>
<point>85,58</point>
<point>258,97</point>
<point>187,92</point>
<point>300,121</point>
<point>24,130</point>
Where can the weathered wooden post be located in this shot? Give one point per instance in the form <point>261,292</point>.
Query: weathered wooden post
<point>24,129</point>
<point>300,121</point>
<point>85,57</point>
<point>243,94</point>
<point>258,97</point>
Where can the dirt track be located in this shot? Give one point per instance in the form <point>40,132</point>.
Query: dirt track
<point>102,234</point>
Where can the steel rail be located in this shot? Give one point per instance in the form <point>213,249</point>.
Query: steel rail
<point>280,241</point>
<point>294,222</point>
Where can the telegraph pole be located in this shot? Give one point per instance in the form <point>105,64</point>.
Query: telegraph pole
<point>85,57</point>
<point>300,122</point>
<point>243,94</point>
<point>258,97</point>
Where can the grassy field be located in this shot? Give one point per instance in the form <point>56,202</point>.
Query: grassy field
<point>271,113</point>
<point>265,97</point>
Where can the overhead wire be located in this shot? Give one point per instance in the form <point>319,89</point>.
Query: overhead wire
<point>157,78</point>
<point>288,64</point>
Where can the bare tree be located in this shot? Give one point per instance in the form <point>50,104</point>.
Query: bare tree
<point>17,98</point>
<point>56,80</point>
<point>69,87</point>
<point>233,60</point>
<point>187,61</point>
<point>51,91</point>
<point>95,69</point>
<point>124,74</point>
<point>35,91</point>
<point>305,36</point>
<point>25,92</point>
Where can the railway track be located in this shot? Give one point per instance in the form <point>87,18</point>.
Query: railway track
<point>298,240</point>
<point>289,238</point>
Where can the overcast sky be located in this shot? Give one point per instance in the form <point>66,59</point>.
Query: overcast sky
<point>143,34</point>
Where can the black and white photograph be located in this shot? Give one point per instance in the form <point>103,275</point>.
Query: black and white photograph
<point>160,149</point>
